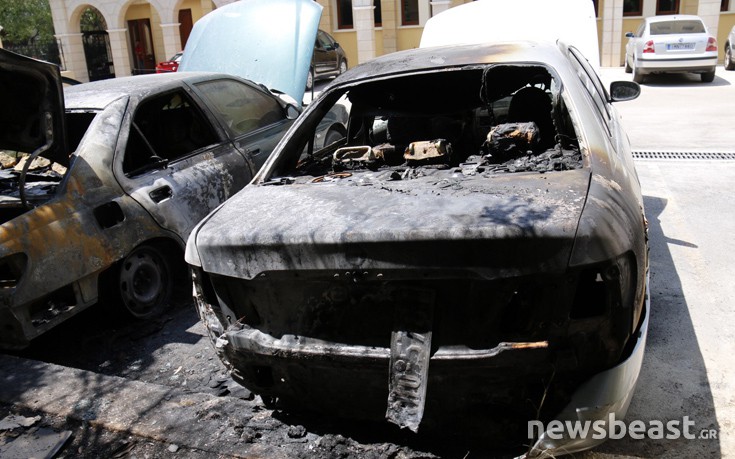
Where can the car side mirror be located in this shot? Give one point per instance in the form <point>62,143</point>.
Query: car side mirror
<point>335,45</point>
<point>629,34</point>
<point>621,91</point>
<point>292,112</point>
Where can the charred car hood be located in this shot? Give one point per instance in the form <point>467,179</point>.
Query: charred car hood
<point>31,106</point>
<point>242,39</point>
<point>515,224</point>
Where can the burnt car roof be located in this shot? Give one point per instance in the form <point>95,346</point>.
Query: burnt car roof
<point>99,94</point>
<point>451,56</point>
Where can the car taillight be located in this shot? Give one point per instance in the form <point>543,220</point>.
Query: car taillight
<point>711,44</point>
<point>648,47</point>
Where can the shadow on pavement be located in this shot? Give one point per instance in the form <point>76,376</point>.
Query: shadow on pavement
<point>673,382</point>
<point>692,80</point>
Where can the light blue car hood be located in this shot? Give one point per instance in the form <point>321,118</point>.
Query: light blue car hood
<point>265,41</point>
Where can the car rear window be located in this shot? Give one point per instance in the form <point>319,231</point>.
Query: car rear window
<point>677,27</point>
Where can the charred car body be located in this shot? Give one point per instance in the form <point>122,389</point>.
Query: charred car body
<point>147,158</point>
<point>474,251</point>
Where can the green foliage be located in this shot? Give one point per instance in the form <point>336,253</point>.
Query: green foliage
<point>91,20</point>
<point>26,21</point>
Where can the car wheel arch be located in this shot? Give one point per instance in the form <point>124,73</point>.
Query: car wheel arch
<point>176,272</point>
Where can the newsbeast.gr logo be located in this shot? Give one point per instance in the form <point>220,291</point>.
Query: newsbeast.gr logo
<point>614,429</point>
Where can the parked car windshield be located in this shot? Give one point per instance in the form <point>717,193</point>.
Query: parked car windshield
<point>677,27</point>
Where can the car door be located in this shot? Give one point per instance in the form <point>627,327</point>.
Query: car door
<point>255,120</point>
<point>325,53</point>
<point>175,163</point>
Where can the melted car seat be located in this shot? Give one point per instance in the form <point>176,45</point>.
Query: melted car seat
<point>533,104</point>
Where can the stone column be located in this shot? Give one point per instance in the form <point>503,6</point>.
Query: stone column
<point>120,51</point>
<point>171,38</point>
<point>709,11</point>
<point>364,23</point>
<point>390,35</point>
<point>612,32</point>
<point>438,6</point>
<point>74,60</point>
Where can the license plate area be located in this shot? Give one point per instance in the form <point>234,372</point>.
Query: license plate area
<point>410,351</point>
<point>680,46</point>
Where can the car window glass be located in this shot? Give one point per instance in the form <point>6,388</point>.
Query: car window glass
<point>323,40</point>
<point>639,32</point>
<point>165,128</point>
<point>676,27</point>
<point>241,108</point>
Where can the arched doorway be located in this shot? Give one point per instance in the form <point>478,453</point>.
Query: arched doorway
<point>96,43</point>
<point>141,41</point>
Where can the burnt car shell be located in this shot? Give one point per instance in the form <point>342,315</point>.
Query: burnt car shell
<point>437,292</point>
<point>31,97</point>
<point>148,157</point>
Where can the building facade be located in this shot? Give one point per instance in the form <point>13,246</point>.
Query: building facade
<point>130,37</point>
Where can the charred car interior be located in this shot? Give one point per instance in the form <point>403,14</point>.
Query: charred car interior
<point>434,266</point>
<point>496,119</point>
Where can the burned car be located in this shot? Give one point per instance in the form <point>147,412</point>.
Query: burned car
<point>119,172</point>
<point>474,252</point>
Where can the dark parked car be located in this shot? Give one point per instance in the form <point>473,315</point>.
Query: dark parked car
<point>119,173</point>
<point>329,59</point>
<point>730,50</point>
<point>472,255</point>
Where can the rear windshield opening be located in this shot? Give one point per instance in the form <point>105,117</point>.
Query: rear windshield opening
<point>509,117</point>
<point>677,27</point>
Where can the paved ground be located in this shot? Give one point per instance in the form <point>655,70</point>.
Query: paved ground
<point>157,390</point>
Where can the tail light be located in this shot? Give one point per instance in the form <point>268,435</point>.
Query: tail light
<point>711,44</point>
<point>648,47</point>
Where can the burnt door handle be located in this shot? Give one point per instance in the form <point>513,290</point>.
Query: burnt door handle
<point>159,194</point>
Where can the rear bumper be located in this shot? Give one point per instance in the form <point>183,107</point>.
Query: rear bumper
<point>673,65</point>
<point>606,394</point>
<point>487,389</point>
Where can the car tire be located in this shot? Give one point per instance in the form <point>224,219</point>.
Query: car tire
<point>145,281</point>
<point>342,66</point>
<point>628,68</point>
<point>638,77</point>
<point>729,62</point>
<point>310,80</point>
<point>708,77</point>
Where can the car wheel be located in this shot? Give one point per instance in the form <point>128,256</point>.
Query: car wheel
<point>628,68</point>
<point>729,63</point>
<point>708,77</point>
<point>638,77</point>
<point>310,79</point>
<point>342,67</point>
<point>145,282</point>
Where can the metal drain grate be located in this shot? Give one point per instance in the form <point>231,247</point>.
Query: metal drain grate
<point>684,155</point>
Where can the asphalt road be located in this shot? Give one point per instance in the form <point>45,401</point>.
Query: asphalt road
<point>687,370</point>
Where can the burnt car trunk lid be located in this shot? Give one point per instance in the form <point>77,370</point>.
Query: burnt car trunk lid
<point>494,226</point>
<point>31,107</point>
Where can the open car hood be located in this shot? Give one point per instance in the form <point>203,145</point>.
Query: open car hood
<point>31,107</point>
<point>242,39</point>
<point>495,21</point>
